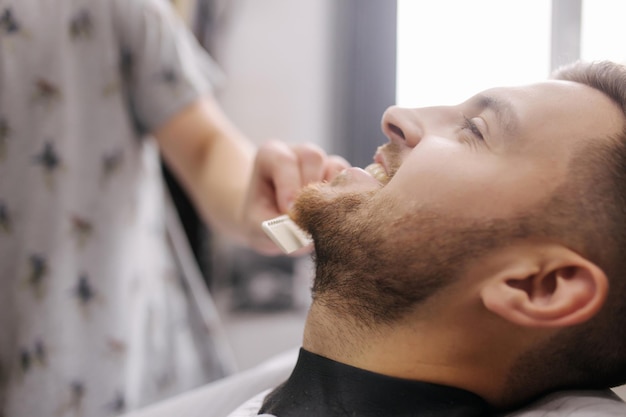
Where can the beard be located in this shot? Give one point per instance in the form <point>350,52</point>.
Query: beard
<point>377,260</point>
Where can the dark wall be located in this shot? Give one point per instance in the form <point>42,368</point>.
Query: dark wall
<point>365,75</point>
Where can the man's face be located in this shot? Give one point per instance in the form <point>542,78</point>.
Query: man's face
<point>498,153</point>
<point>492,158</point>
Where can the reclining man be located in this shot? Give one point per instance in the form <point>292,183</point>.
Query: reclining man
<point>478,264</point>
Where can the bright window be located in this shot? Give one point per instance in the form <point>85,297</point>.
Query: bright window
<point>448,50</point>
<point>603,31</point>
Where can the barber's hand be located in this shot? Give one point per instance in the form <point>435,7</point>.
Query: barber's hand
<point>280,171</point>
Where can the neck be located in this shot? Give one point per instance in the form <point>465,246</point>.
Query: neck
<point>420,350</point>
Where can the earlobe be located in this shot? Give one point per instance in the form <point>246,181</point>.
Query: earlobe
<point>559,288</point>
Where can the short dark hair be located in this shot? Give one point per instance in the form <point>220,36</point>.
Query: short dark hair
<point>592,354</point>
<point>599,169</point>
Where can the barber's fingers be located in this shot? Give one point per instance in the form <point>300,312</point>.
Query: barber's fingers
<point>278,166</point>
<point>311,160</point>
<point>288,168</point>
<point>334,165</point>
<point>316,165</point>
<point>280,172</point>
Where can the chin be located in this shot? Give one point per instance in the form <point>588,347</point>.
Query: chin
<point>320,207</point>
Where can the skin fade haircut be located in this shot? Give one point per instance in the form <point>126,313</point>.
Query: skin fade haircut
<point>378,260</point>
<point>593,354</point>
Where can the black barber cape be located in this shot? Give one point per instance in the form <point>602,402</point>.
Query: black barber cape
<point>320,387</point>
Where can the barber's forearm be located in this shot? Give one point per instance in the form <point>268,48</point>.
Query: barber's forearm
<point>222,183</point>
<point>212,160</point>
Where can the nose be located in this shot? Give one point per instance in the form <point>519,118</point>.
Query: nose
<point>402,126</point>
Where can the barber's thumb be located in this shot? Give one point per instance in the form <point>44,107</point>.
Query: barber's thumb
<point>334,166</point>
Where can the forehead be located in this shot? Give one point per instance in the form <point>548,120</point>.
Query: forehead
<point>559,109</point>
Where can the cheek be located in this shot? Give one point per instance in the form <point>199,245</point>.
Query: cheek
<point>468,183</point>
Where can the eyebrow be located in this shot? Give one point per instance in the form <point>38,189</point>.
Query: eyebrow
<point>503,110</point>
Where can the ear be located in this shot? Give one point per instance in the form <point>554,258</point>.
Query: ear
<point>549,286</point>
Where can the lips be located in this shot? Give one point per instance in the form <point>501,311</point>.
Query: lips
<point>378,171</point>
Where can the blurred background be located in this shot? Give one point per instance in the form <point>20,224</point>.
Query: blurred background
<point>325,70</point>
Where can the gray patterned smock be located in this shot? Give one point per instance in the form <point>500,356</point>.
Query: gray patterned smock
<point>94,315</point>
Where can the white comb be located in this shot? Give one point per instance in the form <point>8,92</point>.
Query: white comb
<point>286,234</point>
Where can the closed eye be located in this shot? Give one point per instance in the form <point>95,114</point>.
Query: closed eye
<point>471,125</point>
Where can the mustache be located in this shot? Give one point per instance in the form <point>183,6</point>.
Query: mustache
<point>392,154</point>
